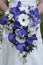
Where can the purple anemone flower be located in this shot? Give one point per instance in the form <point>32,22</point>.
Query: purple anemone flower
<point>19,4</point>
<point>36,13</point>
<point>11,38</point>
<point>4,20</point>
<point>16,23</point>
<point>29,41</point>
<point>34,37</point>
<point>36,22</point>
<point>20,47</point>
<point>15,27</point>
<point>22,32</point>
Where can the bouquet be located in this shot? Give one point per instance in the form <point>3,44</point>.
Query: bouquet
<point>23,22</point>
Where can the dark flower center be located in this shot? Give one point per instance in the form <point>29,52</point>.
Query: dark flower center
<point>23,20</point>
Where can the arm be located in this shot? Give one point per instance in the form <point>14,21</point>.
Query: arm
<point>40,6</point>
<point>3,5</point>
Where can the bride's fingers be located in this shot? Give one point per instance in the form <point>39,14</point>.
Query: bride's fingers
<point>3,6</point>
<point>4,1</point>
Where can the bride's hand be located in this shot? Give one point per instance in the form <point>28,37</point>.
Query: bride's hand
<point>40,6</point>
<point>3,5</point>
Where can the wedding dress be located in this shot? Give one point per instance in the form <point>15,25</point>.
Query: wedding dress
<point>9,54</point>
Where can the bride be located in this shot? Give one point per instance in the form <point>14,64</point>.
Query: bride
<point>9,54</point>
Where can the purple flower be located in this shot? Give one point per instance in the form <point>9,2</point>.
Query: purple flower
<point>31,13</point>
<point>16,23</point>
<point>20,47</point>
<point>15,10</point>
<point>22,32</point>
<point>4,20</point>
<point>36,22</point>
<point>36,13</point>
<point>34,37</point>
<point>29,41</point>
<point>11,38</point>
<point>19,4</point>
<point>15,27</point>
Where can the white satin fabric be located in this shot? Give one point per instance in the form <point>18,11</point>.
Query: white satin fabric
<point>9,54</point>
<point>24,2</point>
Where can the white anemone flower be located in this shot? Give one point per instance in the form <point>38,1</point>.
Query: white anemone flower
<point>23,19</point>
<point>24,8</point>
<point>20,40</point>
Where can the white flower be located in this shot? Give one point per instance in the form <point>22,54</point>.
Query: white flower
<point>20,40</point>
<point>23,8</point>
<point>31,30</point>
<point>24,19</point>
<point>10,16</point>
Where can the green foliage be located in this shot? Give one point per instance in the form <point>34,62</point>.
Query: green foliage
<point>41,25</point>
<point>1,14</point>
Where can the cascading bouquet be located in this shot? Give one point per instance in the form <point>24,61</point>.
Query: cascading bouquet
<point>23,22</point>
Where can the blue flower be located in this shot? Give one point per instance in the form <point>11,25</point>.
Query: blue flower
<point>22,32</point>
<point>29,41</point>
<point>15,10</point>
<point>11,37</point>
<point>15,27</point>
<point>4,20</point>
<point>20,47</point>
<point>36,13</point>
<point>36,22</point>
<point>34,37</point>
<point>16,23</point>
<point>31,13</point>
<point>19,4</point>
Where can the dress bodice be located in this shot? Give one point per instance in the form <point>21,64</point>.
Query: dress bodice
<point>24,2</point>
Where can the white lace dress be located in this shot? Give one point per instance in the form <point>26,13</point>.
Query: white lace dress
<point>9,54</point>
